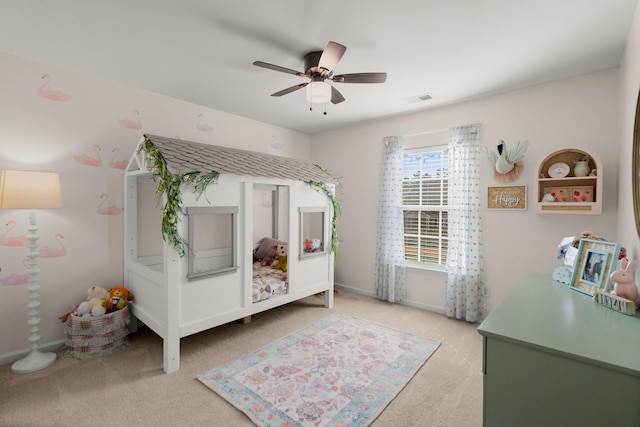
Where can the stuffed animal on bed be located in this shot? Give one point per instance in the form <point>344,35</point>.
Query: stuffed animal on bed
<point>270,257</point>
<point>281,258</point>
<point>312,245</point>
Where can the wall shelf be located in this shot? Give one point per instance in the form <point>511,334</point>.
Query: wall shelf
<point>569,194</point>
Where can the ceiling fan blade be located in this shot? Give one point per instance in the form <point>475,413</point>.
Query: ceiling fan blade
<point>278,68</point>
<point>290,89</point>
<point>360,78</point>
<point>336,97</point>
<point>330,56</point>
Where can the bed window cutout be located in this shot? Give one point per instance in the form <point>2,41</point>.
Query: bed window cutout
<point>312,231</point>
<point>213,239</point>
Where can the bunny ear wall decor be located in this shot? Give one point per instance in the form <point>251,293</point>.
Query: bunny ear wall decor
<point>506,164</point>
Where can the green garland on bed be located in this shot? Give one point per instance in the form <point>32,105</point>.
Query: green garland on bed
<point>337,209</point>
<point>169,184</point>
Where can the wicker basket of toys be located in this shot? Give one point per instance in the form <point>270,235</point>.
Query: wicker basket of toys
<point>99,330</point>
<point>89,337</point>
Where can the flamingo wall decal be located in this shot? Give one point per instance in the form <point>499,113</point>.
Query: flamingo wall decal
<point>48,252</point>
<point>107,210</point>
<point>131,124</point>
<point>54,95</point>
<point>88,160</point>
<point>202,125</point>
<point>117,164</point>
<point>20,240</point>
<point>17,279</point>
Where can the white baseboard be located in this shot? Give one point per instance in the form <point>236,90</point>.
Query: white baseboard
<point>8,358</point>
<point>425,307</point>
<point>414,304</point>
<point>340,286</point>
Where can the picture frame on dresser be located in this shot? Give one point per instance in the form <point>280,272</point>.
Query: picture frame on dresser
<point>595,261</point>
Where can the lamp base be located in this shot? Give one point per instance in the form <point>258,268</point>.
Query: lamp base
<point>34,361</point>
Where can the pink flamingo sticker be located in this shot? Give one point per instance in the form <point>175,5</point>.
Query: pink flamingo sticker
<point>130,124</point>
<point>203,125</point>
<point>20,240</point>
<point>17,279</point>
<point>117,164</point>
<point>88,160</point>
<point>54,95</point>
<point>107,210</point>
<point>49,252</point>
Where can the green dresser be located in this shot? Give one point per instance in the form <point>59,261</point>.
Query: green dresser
<point>553,357</point>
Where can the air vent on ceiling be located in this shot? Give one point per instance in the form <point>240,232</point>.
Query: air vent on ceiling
<point>419,98</point>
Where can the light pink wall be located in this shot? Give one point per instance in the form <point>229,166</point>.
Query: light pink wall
<point>37,132</point>
<point>580,112</point>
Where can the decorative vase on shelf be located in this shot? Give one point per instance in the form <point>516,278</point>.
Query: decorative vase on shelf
<point>581,168</point>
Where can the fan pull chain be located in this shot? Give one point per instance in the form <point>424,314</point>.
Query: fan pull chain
<point>311,108</point>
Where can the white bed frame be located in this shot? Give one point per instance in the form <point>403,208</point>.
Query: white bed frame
<point>174,307</point>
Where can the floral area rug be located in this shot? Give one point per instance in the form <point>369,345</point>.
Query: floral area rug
<point>340,371</point>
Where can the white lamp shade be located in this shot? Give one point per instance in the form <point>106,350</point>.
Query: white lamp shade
<point>318,92</point>
<point>30,190</point>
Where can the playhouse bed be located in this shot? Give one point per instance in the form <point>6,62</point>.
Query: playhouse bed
<point>221,279</point>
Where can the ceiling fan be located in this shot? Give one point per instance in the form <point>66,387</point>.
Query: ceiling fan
<point>319,67</point>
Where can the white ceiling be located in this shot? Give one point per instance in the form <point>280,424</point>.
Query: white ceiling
<point>202,51</point>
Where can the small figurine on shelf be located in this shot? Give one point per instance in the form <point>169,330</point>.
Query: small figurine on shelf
<point>581,167</point>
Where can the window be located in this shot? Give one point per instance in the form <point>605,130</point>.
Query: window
<point>425,179</point>
<point>212,240</point>
<point>312,231</point>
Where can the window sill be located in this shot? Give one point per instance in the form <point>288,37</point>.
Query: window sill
<point>308,255</point>
<point>424,266</point>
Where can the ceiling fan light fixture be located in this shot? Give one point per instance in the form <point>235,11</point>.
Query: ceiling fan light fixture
<point>319,66</point>
<point>318,92</point>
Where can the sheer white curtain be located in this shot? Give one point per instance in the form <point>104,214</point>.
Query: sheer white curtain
<point>464,255</point>
<point>390,281</point>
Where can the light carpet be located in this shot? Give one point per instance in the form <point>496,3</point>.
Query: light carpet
<point>339,371</point>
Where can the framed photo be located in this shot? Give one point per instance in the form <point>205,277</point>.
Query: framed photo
<point>595,261</point>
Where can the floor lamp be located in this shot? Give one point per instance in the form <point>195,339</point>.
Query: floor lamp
<point>31,190</point>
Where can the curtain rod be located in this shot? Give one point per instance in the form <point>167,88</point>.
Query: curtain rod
<point>433,131</point>
<point>420,133</point>
<point>430,132</point>
<point>425,133</point>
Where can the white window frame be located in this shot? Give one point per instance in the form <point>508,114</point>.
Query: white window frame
<point>228,255</point>
<point>442,234</point>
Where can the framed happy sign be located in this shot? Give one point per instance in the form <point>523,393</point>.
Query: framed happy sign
<point>510,197</point>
